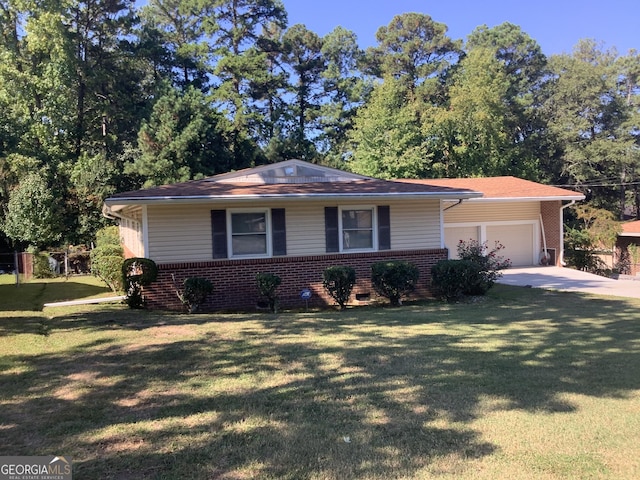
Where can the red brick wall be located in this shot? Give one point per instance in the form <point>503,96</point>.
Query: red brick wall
<point>235,285</point>
<point>551,220</point>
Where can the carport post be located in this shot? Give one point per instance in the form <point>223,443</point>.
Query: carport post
<point>572,202</point>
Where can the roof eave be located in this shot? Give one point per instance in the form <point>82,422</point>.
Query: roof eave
<point>125,201</point>
<point>526,199</point>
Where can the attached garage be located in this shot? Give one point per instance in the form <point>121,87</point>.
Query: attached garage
<point>519,240</point>
<point>524,216</point>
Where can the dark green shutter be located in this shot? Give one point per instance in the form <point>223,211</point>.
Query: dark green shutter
<point>384,228</point>
<point>279,231</point>
<point>331,229</point>
<point>219,233</point>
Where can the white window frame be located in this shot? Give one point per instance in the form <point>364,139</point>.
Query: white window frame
<point>268,232</point>
<point>374,228</point>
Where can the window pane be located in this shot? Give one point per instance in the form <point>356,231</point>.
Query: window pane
<point>354,219</point>
<point>355,239</point>
<point>252,222</point>
<point>255,244</point>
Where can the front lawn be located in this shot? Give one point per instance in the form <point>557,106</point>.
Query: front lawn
<point>524,384</point>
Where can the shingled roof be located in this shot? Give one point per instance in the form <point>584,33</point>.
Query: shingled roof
<point>504,188</point>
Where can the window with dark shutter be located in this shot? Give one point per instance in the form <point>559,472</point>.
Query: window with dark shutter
<point>384,228</point>
<point>219,233</point>
<point>331,232</point>
<point>279,231</point>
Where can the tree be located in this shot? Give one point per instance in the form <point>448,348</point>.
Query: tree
<point>302,51</point>
<point>472,136</point>
<point>33,215</point>
<point>345,88</point>
<point>183,139</point>
<point>586,115</point>
<point>240,61</point>
<point>387,136</point>
<point>416,51</point>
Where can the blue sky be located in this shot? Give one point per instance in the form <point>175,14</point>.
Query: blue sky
<point>555,25</point>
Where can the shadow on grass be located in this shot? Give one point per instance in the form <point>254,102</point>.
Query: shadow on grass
<point>33,295</point>
<point>375,393</point>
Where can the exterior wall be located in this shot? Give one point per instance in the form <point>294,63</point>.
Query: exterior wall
<point>182,233</point>
<point>131,232</point>
<point>479,212</point>
<point>235,287</point>
<point>551,221</point>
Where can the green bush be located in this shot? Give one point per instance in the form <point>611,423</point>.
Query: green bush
<point>136,273</point>
<point>41,266</point>
<point>268,283</point>
<point>452,279</point>
<point>488,261</point>
<point>107,258</point>
<point>394,279</point>
<point>338,281</point>
<point>195,292</point>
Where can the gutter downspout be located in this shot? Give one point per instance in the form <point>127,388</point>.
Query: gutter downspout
<point>572,202</point>
<point>544,242</point>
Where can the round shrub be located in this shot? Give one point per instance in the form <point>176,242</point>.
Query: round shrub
<point>338,281</point>
<point>268,283</point>
<point>394,279</point>
<point>195,292</point>
<point>452,279</point>
<point>136,273</point>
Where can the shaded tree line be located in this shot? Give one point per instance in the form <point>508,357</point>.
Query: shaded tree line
<point>100,96</point>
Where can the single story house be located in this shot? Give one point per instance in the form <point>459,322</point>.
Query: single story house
<point>295,219</point>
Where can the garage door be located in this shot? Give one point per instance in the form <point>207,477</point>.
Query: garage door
<point>453,235</point>
<point>517,241</point>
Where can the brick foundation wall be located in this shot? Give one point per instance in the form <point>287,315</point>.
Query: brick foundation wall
<point>235,285</point>
<point>551,220</point>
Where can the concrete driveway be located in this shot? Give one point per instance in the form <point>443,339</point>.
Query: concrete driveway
<point>570,280</point>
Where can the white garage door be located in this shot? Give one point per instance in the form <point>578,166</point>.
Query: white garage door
<point>517,240</point>
<point>453,235</point>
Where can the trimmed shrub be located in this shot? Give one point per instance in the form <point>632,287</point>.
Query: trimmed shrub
<point>268,283</point>
<point>338,281</point>
<point>394,279</point>
<point>136,273</point>
<point>452,279</point>
<point>195,292</point>
<point>107,258</point>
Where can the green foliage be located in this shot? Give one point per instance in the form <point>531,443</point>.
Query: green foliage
<point>452,279</point>
<point>267,284</point>
<point>338,281</point>
<point>41,266</point>
<point>182,140</point>
<point>488,261</point>
<point>33,213</point>
<point>107,258</point>
<point>195,292</point>
<point>581,252</point>
<point>394,279</point>
<point>136,273</point>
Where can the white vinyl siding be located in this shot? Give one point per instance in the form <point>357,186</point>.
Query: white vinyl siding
<point>478,212</point>
<point>182,233</point>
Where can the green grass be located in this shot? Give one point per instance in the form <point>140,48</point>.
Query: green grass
<point>524,384</point>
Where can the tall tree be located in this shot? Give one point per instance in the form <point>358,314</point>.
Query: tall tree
<point>586,113</point>
<point>416,51</point>
<point>525,67</point>
<point>346,89</point>
<point>303,54</point>
<point>240,24</point>
<point>182,140</point>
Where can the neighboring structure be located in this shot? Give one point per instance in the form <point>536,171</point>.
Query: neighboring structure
<point>629,242</point>
<point>295,219</point>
